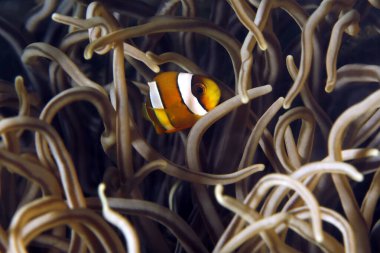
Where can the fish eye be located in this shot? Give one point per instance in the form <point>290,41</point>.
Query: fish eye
<point>199,89</point>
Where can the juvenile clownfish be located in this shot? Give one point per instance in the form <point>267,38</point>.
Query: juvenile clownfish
<point>177,100</point>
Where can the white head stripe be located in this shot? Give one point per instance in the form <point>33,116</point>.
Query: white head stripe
<point>184,84</point>
<point>154,95</point>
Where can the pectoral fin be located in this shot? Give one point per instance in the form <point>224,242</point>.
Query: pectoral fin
<point>160,120</point>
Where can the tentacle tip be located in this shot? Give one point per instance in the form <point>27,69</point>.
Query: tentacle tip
<point>269,87</point>
<point>156,69</point>
<point>102,195</point>
<point>260,167</point>
<point>286,105</point>
<point>19,79</point>
<point>353,30</point>
<point>359,177</point>
<point>19,85</point>
<point>289,56</point>
<point>101,188</point>
<point>54,16</point>
<point>244,99</point>
<point>319,237</point>
<point>263,46</point>
<point>88,54</point>
<point>329,86</point>
<point>219,193</point>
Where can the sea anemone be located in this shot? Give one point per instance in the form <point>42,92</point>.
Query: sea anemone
<point>288,161</point>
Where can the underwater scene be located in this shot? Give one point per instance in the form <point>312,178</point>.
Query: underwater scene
<point>189,126</point>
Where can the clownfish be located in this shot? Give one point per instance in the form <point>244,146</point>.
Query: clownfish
<point>177,100</point>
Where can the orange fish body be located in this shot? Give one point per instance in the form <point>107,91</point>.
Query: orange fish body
<point>177,100</point>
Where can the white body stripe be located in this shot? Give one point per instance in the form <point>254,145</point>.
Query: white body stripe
<point>184,84</point>
<point>154,95</point>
